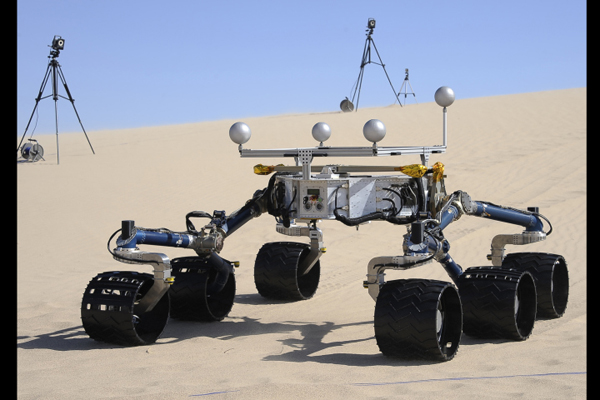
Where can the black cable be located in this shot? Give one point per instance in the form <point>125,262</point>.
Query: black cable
<point>402,196</point>
<point>545,219</point>
<point>358,220</point>
<point>118,256</point>
<point>399,196</point>
<point>410,264</point>
<point>197,214</point>
<point>392,208</point>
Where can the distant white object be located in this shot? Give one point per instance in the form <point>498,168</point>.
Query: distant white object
<point>374,130</point>
<point>321,132</point>
<point>444,96</point>
<point>239,133</point>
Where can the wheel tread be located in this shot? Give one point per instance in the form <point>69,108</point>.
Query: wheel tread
<point>551,277</point>
<point>108,309</point>
<point>405,319</point>
<point>276,272</point>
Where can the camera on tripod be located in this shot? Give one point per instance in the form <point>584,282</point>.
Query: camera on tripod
<point>371,23</point>
<point>55,75</point>
<point>58,43</point>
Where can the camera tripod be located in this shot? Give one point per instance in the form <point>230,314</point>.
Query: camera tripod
<point>54,72</point>
<point>346,104</point>
<point>405,87</point>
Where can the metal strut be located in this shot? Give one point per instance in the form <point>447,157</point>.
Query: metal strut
<point>425,240</point>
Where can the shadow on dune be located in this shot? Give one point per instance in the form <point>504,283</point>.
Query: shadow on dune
<point>302,349</point>
<point>309,343</point>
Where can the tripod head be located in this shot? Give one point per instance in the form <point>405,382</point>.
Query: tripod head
<point>370,26</point>
<point>57,45</point>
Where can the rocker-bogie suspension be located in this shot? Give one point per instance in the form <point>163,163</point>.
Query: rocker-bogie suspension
<point>299,197</point>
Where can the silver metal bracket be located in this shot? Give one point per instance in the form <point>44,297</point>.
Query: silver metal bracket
<point>162,274</point>
<point>317,247</point>
<point>499,241</point>
<point>305,158</point>
<point>377,266</point>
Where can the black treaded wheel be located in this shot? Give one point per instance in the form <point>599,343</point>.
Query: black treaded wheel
<point>191,294</point>
<point>108,309</point>
<point>551,280</point>
<point>276,272</point>
<point>418,318</point>
<point>498,303</point>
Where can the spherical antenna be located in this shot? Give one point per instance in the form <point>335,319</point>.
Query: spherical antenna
<point>374,130</point>
<point>239,133</point>
<point>444,96</point>
<point>321,132</point>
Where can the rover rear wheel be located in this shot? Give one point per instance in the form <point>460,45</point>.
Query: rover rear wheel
<point>277,275</point>
<point>498,303</point>
<point>551,280</point>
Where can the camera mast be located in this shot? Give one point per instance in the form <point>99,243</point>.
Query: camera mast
<point>346,104</point>
<point>54,71</point>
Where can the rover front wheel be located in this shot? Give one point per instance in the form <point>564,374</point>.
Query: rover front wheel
<point>418,318</point>
<point>109,309</point>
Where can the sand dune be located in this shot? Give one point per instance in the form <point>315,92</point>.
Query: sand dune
<point>516,150</point>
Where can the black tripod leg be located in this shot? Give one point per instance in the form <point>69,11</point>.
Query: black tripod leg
<point>366,59</point>
<point>359,86</point>
<point>37,100</point>
<point>386,74</point>
<point>56,124</point>
<point>64,82</point>
<point>55,97</point>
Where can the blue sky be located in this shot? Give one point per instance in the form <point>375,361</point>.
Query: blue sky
<point>133,63</point>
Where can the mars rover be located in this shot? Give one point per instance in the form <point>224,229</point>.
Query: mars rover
<point>414,318</point>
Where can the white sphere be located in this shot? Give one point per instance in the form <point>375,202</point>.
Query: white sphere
<point>239,133</point>
<point>321,131</point>
<point>374,130</point>
<point>444,96</point>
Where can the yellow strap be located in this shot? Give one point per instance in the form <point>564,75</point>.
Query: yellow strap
<point>260,169</point>
<point>438,171</point>
<point>414,170</point>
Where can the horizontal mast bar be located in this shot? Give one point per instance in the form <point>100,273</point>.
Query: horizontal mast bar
<point>343,151</point>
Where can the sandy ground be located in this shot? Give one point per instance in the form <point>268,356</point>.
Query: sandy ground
<point>517,150</point>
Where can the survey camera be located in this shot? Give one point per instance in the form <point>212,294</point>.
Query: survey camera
<point>58,43</point>
<point>371,23</point>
